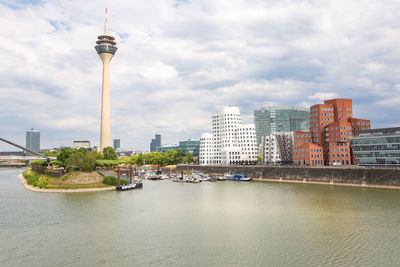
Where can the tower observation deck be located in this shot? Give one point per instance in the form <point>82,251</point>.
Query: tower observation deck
<point>106,48</point>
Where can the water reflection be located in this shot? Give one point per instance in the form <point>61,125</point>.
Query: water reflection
<point>223,223</point>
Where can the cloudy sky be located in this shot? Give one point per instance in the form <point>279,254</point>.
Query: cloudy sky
<point>179,61</point>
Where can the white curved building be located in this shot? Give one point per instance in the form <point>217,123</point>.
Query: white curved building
<point>206,152</point>
<point>231,142</point>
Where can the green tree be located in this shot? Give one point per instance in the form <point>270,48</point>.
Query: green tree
<point>109,153</point>
<point>81,161</point>
<point>83,150</point>
<point>149,158</point>
<point>140,159</point>
<point>158,158</point>
<point>65,153</point>
<point>52,153</point>
<point>179,156</point>
<point>126,160</point>
<point>189,157</point>
<point>170,156</point>
<point>134,159</point>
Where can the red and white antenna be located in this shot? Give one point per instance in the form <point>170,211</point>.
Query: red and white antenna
<point>106,25</point>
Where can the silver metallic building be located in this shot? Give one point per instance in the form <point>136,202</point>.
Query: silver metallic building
<point>270,120</point>
<point>377,147</point>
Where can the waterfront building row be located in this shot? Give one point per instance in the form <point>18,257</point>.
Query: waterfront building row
<point>277,148</point>
<point>269,120</point>
<point>331,127</point>
<point>377,147</point>
<point>190,145</point>
<point>231,142</point>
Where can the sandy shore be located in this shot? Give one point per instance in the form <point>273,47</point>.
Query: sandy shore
<point>43,190</point>
<point>385,187</point>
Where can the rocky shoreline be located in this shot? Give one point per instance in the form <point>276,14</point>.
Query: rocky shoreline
<point>44,190</point>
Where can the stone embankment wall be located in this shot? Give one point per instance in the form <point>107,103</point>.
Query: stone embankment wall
<point>44,170</point>
<point>369,177</point>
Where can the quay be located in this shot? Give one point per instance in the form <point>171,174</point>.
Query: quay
<point>376,178</point>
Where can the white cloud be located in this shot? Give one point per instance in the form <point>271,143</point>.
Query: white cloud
<point>321,96</point>
<point>178,62</point>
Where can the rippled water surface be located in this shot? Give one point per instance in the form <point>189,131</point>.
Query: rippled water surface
<point>207,224</point>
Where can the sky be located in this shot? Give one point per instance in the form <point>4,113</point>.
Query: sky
<point>178,62</point>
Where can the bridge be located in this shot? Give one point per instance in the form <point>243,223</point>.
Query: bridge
<point>37,155</point>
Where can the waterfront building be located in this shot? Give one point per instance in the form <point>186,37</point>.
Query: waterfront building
<point>33,140</point>
<point>377,147</point>
<point>81,143</point>
<point>116,144</point>
<point>165,148</point>
<point>309,154</point>
<point>331,127</point>
<point>277,148</point>
<point>189,145</point>
<point>106,48</point>
<point>270,120</point>
<point>155,143</point>
<point>232,142</point>
<point>206,153</point>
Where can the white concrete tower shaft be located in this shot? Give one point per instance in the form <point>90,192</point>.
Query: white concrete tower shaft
<point>105,129</point>
<point>106,48</point>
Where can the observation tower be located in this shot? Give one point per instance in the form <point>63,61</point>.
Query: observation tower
<point>106,48</point>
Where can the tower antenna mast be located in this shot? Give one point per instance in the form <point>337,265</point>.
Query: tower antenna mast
<point>106,25</point>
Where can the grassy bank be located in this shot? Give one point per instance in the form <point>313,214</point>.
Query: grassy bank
<point>69,181</point>
<point>76,186</point>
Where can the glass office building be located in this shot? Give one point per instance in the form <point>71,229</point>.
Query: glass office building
<point>155,143</point>
<point>116,144</point>
<point>270,120</point>
<point>189,145</point>
<point>33,140</point>
<point>377,147</point>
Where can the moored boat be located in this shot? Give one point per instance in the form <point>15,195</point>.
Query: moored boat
<point>126,187</point>
<point>238,177</point>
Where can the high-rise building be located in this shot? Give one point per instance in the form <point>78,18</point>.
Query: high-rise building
<point>116,144</point>
<point>377,147</point>
<point>106,48</point>
<point>331,126</point>
<point>155,143</point>
<point>33,140</point>
<point>270,120</point>
<point>232,142</point>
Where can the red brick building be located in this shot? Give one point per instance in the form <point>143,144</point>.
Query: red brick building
<point>308,154</point>
<point>331,126</point>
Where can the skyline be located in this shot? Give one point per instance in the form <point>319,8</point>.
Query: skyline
<point>174,55</point>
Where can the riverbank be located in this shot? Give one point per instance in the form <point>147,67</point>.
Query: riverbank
<point>364,185</point>
<point>44,190</point>
<point>374,178</point>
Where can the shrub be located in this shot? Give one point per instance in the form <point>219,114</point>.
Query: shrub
<point>56,163</point>
<point>39,162</point>
<point>110,180</point>
<point>107,162</point>
<point>31,177</point>
<point>42,183</point>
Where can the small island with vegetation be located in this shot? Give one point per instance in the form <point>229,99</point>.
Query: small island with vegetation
<point>75,170</point>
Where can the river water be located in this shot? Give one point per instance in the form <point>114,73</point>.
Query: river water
<point>207,224</point>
